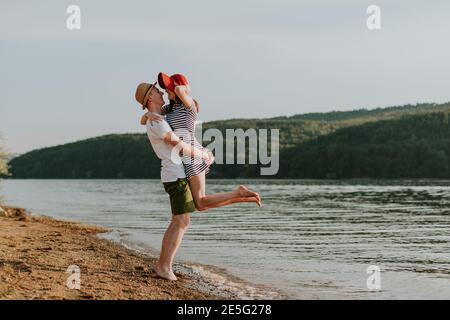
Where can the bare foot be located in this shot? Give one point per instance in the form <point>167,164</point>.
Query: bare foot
<point>164,273</point>
<point>245,192</point>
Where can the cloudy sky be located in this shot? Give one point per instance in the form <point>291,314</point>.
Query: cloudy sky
<point>246,58</point>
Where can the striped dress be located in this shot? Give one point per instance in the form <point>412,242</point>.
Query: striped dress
<point>182,121</point>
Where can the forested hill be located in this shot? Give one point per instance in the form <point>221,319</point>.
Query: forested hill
<point>415,146</point>
<point>396,142</point>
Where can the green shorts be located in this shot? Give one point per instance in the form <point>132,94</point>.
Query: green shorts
<point>181,200</point>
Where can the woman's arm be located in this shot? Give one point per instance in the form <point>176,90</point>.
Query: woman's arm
<point>152,117</point>
<point>183,93</point>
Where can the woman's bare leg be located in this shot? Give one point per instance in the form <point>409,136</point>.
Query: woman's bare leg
<point>204,202</point>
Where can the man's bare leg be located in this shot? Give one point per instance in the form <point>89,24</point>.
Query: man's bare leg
<point>170,244</point>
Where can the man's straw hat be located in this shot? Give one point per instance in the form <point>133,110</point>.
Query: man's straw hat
<point>143,92</point>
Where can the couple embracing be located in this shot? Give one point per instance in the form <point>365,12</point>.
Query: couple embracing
<point>184,161</point>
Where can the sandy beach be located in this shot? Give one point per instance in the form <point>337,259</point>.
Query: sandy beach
<point>36,251</point>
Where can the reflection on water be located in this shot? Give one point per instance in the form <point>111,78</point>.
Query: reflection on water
<point>312,239</point>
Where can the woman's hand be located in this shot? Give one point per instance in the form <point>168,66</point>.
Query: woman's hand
<point>152,117</point>
<point>182,88</point>
<point>144,120</point>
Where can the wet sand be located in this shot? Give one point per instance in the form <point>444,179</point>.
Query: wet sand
<point>36,251</point>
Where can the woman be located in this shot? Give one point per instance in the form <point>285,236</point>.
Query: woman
<point>181,114</point>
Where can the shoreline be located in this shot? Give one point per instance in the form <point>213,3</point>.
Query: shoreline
<point>36,252</point>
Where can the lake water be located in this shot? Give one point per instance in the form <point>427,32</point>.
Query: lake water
<point>311,240</point>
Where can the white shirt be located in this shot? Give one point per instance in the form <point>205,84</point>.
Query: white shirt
<point>171,164</point>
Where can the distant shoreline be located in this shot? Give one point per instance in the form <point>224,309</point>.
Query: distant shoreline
<point>36,251</point>
<point>382,181</point>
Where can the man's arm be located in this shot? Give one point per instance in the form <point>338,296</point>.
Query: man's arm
<point>172,139</point>
<point>162,130</point>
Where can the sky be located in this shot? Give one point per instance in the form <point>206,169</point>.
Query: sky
<point>244,59</point>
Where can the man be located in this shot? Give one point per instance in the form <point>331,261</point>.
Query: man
<point>167,146</point>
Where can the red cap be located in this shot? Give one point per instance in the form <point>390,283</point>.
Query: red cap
<point>165,82</point>
<point>169,83</point>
